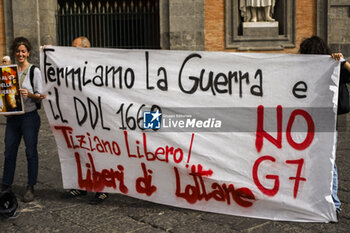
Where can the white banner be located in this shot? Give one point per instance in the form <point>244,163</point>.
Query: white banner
<point>234,133</point>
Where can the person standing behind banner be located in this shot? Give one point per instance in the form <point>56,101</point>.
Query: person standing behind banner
<point>315,45</point>
<point>26,125</point>
<point>83,42</point>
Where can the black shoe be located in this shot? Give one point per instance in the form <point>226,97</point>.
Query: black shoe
<point>29,194</point>
<point>73,193</point>
<point>98,199</point>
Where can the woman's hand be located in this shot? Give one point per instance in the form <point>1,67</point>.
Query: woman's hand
<point>40,96</point>
<point>45,46</point>
<point>337,56</point>
<point>24,92</point>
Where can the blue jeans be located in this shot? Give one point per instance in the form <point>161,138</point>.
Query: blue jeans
<point>335,197</point>
<point>18,126</point>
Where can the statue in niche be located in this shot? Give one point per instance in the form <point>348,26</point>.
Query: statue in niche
<point>257,10</point>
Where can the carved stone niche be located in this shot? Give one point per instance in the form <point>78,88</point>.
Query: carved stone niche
<point>264,35</point>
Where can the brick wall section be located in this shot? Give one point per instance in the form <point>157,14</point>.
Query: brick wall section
<point>305,20</point>
<point>215,24</point>
<point>2,31</point>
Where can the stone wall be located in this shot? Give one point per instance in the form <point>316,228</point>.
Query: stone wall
<point>48,24</point>
<point>186,24</point>
<point>34,19</point>
<point>338,27</point>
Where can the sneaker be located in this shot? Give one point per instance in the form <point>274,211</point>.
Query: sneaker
<point>29,194</point>
<point>73,193</point>
<point>98,199</point>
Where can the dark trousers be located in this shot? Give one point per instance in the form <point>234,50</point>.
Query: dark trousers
<point>26,125</point>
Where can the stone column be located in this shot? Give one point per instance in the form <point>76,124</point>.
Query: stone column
<point>34,20</point>
<point>164,23</point>
<point>26,23</point>
<point>48,22</point>
<point>338,37</point>
<point>8,24</point>
<point>186,20</point>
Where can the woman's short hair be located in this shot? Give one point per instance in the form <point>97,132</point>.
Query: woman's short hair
<point>7,58</point>
<point>314,45</point>
<point>18,41</point>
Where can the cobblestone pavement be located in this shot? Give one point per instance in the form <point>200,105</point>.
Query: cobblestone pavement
<point>50,213</point>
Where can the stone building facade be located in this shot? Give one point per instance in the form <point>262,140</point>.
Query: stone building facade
<point>33,19</point>
<point>193,25</point>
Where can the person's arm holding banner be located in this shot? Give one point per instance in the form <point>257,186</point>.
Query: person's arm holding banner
<point>345,64</point>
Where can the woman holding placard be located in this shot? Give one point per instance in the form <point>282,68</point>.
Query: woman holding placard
<point>26,125</point>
